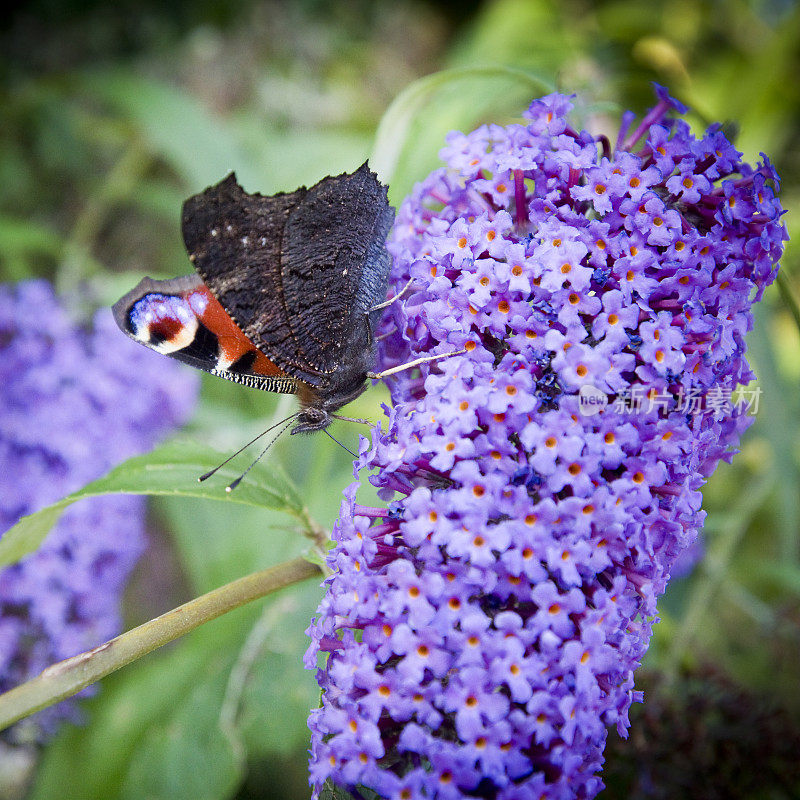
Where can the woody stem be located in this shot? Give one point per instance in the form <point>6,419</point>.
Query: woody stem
<point>68,677</point>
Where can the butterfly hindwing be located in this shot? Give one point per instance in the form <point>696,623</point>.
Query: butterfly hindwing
<point>180,318</point>
<point>333,250</point>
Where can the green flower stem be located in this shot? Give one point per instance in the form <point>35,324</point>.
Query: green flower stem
<point>68,677</point>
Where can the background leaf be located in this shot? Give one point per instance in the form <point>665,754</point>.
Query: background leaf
<point>172,469</point>
<point>413,129</point>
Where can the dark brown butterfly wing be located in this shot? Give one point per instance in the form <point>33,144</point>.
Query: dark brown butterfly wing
<point>234,240</point>
<point>334,266</point>
<point>297,272</point>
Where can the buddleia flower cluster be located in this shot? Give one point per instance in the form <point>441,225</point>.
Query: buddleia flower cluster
<point>481,627</point>
<point>75,403</point>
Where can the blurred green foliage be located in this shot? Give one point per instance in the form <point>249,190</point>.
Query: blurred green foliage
<point>111,114</point>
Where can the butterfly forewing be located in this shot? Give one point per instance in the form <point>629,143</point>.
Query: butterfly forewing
<point>234,241</point>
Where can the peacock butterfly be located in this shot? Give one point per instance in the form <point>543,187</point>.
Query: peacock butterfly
<point>287,291</point>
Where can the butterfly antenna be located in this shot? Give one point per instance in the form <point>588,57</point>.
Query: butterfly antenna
<point>412,364</point>
<point>244,447</point>
<point>233,484</point>
<point>325,430</point>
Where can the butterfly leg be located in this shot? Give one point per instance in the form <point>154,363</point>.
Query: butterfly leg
<point>385,304</point>
<point>352,419</point>
<point>411,364</point>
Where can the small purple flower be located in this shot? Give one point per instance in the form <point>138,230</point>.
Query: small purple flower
<point>75,403</point>
<point>486,624</point>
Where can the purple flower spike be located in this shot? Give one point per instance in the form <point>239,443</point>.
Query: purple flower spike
<point>75,403</point>
<point>482,634</point>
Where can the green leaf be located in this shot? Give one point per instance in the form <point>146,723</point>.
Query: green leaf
<point>776,420</point>
<point>503,30</point>
<point>272,684</point>
<point>24,236</point>
<point>29,533</point>
<point>781,575</point>
<point>420,116</point>
<point>218,543</point>
<point>787,294</point>
<point>22,243</point>
<point>306,155</point>
<point>188,758</point>
<point>136,705</point>
<point>199,145</point>
<point>171,470</point>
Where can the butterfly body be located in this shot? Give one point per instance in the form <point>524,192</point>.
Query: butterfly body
<point>285,293</point>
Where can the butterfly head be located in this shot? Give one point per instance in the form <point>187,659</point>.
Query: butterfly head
<point>318,405</point>
<point>312,419</point>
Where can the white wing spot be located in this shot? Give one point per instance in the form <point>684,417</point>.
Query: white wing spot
<point>214,232</point>
<point>245,241</point>
<point>263,240</point>
<point>229,228</point>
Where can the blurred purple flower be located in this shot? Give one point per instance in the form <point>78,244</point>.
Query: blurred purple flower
<point>75,403</point>
<point>482,629</point>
